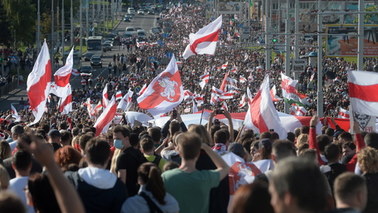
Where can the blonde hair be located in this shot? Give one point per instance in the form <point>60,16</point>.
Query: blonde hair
<point>202,132</point>
<point>4,178</point>
<point>302,139</point>
<point>368,160</point>
<point>113,164</point>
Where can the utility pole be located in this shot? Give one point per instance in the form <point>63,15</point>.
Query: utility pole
<point>267,30</point>
<point>87,17</point>
<point>287,48</point>
<point>320,64</point>
<point>81,27</point>
<point>38,25</point>
<point>296,48</point>
<point>360,48</point>
<point>52,36</point>
<point>72,27</point>
<point>62,28</point>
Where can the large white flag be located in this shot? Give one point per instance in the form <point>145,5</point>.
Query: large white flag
<point>363,92</point>
<point>126,101</point>
<point>165,92</point>
<point>103,122</point>
<point>261,112</point>
<point>205,40</point>
<point>65,105</point>
<point>38,83</point>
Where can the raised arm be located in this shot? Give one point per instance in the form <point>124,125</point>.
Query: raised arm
<point>230,125</point>
<point>221,165</point>
<point>312,138</point>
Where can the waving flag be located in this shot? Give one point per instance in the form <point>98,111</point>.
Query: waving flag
<point>142,90</point>
<point>103,122</point>
<point>118,95</point>
<point>242,79</point>
<point>188,95</point>
<point>363,92</point>
<point>97,108</point>
<point>243,101</point>
<point>205,40</point>
<point>126,101</point>
<point>15,114</point>
<point>105,98</point>
<point>65,105</point>
<point>290,93</point>
<point>298,110</point>
<point>273,93</point>
<point>89,107</point>
<point>343,113</point>
<point>63,74</point>
<point>261,112</point>
<point>165,92</point>
<point>204,80</point>
<point>38,83</point>
<point>234,69</point>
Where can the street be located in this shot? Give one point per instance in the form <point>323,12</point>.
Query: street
<point>143,21</point>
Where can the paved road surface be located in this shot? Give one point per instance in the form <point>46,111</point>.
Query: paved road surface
<point>143,21</point>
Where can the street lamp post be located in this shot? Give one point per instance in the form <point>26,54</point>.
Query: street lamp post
<point>360,48</point>
<point>72,28</point>
<point>320,64</point>
<point>38,25</point>
<point>62,28</point>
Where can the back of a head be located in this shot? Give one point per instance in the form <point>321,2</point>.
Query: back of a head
<point>305,130</point>
<point>303,180</point>
<point>66,136</point>
<point>323,141</point>
<point>174,126</point>
<point>84,140</point>
<point>155,133</point>
<point>4,178</point>
<point>9,202</point>
<point>347,186</point>
<point>221,136</point>
<point>237,149</point>
<point>265,135</point>
<point>291,136</point>
<point>332,152</point>
<point>17,130</point>
<point>75,131</point>
<point>149,174</point>
<point>371,140</point>
<point>202,132</point>
<point>330,132</point>
<point>283,149</point>
<point>189,145</point>
<point>146,144</point>
<point>345,137</point>
<point>97,151</point>
<point>66,156</point>
<point>253,197</point>
<point>368,160</point>
<point>42,194</point>
<point>22,160</point>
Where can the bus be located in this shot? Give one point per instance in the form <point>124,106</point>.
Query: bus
<point>94,45</point>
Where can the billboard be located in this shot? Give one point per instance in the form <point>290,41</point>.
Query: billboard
<point>342,40</point>
<point>231,7</point>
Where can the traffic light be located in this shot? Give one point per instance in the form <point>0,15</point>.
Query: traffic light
<point>274,40</point>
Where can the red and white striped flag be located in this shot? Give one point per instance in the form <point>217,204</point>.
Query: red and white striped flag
<point>126,101</point>
<point>165,92</point>
<point>38,83</point>
<point>273,93</point>
<point>62,75</point>
<point>234,69</point>
<point>289,92</point>
<point>224,66</point>
<point>343,113</point>
<point>204,80</point>
<point>243,101</point>
<point>103,122</point>
<point>298,110</point>
<point>205,40</point>
<point>118,95</point>
<point>97,108</point>
<point>242,79</point>
<point>142,90</point>
<point>65,105</point>
<point>75,72</point>
<point>261,112</point>
<point>363,92</point>
<point>15,114</point>
<point>89,106</point>
<point>188,95</point>
<point>220,94</point>
<point>105,97</point>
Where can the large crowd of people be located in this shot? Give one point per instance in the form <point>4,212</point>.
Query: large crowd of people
<point>60,165</point>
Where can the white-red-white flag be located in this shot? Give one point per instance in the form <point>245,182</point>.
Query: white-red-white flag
<point>289,92</point>
<point>261,112</point>
<point>63,74</point>
<point>298,110</point>
<point>205,40</point>
<point>343,113</point>
<point>118,95</point>
<point>165,92</point>
<point>273,93</point>
<point>194,108</point>
<point>65,105</point>
<point>103,122</point>
<point>242,79</point>
<point>89,107</point>
<point>204,80</point>
<point>188,95</point>
<point>224,66</point>
<point>105,97</point>
<point>97,108</point>
<point>126,101</point>
<point>363,92</point>
<point>15,114</point>
<point>38,83</point>
<point>243,101</point>
<point>142,90</point>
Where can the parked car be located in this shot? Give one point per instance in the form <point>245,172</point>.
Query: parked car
<point>87,56</point>
<point>127,19</point>
<point>141,34</point>
<point>107,47</point>
<point>96,61</point>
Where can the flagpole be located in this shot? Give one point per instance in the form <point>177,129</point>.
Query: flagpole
<point>206,94</point>
<point>320,64</point>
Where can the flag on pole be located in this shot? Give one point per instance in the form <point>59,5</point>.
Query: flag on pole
<point>242,79</point>
<point>298,110</point>
<point>63,74</point>
<point>126,101</point>
<point>363,92</point>
<point>243,101</point>
<point>205,40</point>
<point>165,92</point>
<point>105,98</point>
<point>261,112</point>
<point>66,102</point>
<point>204,80</point>
<point>142,90</point>
<point>97,108</point>
<point>38,83</point>
<point>103,122</point>
<point>118,95</point>
<point>290,93</point>
<point>273,93</point>
<point>89,106</point>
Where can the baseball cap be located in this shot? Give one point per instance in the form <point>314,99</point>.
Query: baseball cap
<point>54,133</point>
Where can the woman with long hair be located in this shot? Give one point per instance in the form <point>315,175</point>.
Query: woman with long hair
<point>152,196</point>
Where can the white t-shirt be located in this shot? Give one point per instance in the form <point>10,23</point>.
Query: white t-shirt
<point>17,185</point>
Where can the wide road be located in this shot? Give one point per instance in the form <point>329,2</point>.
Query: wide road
<point>145,22</point>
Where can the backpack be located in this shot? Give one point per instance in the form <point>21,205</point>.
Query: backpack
<point>151,205</point>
